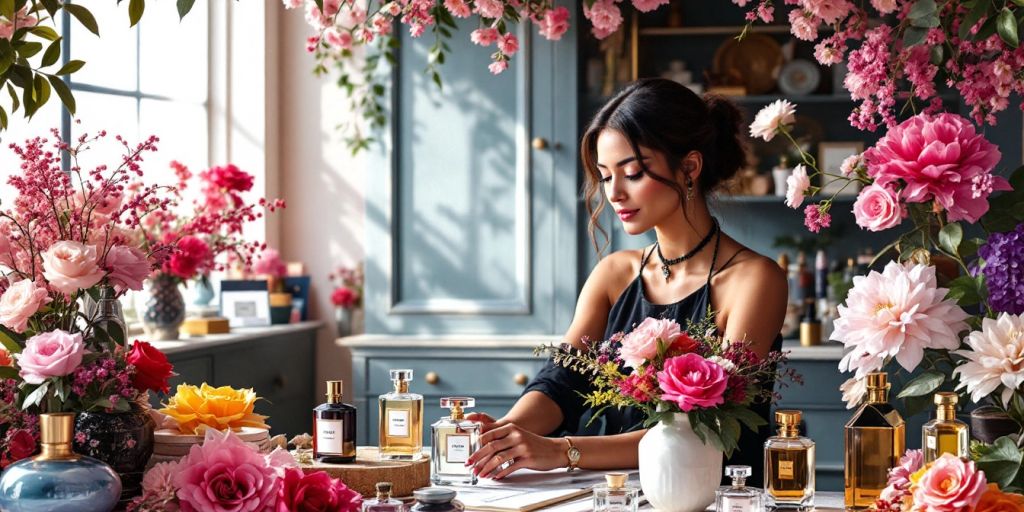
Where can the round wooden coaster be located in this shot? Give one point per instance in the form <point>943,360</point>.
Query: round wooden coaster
<point>363,474</point>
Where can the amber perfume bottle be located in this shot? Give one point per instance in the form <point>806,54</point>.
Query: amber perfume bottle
<point>401,420</point>
<point>789,464</point>
<point>454,439</point>
<point>874,441</point>
<point>945,434</point>
<point>334,428</point>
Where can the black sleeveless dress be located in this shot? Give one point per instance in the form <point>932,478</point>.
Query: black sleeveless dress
<point>564,386</point>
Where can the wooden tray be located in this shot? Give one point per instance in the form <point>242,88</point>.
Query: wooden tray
<point>363,474</point>
<point>171,443</point>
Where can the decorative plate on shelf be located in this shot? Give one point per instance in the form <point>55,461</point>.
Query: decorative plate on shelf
<point>753,62</point>
<point>799,77</point>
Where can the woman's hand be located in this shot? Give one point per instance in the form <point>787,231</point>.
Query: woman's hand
<point>506,448</point>
<point>486,421</point>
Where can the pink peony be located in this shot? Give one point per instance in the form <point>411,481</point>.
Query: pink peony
<point>458,8</point>
<point>70,266</point>
<point>492,9</point>
<point>554,23</point>
<point>897,313</point>
<point>19,302</point>
<point>797,185</point>
<point>192,254</point>
<point>942,158</point>
<point>910,463</point>
<point>691,381</point>
<point>50,354</point>
<point>648,5</point>
<point>498,67</point>
<point>949,485</point>
<point>269,262</point>
<point>159,480</point>
<point>127,267</point>
<point>641,345</point>
<point>804,24</point>
<point>484,36</point>
<point>829,11</point>
<point>605,16</point>
<point>508,44</point>
<point>316,492</point>
<point>878,208</point>
<point>226,475</point>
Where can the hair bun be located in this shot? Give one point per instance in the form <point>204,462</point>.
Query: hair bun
<point>730,150</point>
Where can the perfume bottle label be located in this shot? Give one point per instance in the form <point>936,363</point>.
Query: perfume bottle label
<point>329,436</point>
<point>398,423</point>
<point>458,448</point>
<point>738,504</point>
<point>931,442</point>
<point>786,469</point>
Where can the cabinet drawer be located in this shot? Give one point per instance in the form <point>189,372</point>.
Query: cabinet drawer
<point>821,384</point>
<point>470,377</point>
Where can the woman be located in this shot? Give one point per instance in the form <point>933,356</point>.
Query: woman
<point>656,150</point>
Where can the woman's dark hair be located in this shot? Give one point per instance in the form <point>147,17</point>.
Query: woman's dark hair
<point>673,120</point>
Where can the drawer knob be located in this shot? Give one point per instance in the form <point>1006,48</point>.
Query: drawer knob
<point>432,378</point>
<point>521,379</point>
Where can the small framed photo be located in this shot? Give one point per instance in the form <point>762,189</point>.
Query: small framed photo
<point>830,157</point>
<point>245,303</point>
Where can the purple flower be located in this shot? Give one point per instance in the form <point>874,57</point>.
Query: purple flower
<point>1004,270</point>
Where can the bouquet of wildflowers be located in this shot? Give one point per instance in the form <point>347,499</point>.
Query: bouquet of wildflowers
<point>348,286</point>
<point>662,369</point>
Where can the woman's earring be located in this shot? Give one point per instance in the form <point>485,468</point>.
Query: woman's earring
<point>689,189</point>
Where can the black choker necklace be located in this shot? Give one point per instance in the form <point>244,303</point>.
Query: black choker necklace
<point>665,264</point>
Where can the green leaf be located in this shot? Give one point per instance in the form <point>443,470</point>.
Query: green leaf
<point>1018,3</point>
<point>709,436</point>
<point>969,247</point>
<point>965,290</point>
<point>14,98</point>
<point>45,32</point>
<point>923,384</point>
<point>1002,464</point>
<point>923,8</point>
<point>29,49</point>
<point>70,67</point>
<point>987,29</point>
<point>7,9</point>
<point>64,93</point>
<point>7,372</point>
<point>950,237</point>
<point>914,36</point>
<point>11,340</point>
<point>42,90</point>
<point>937,54</point>
<point>84,17</point>
<point>184,6</point>
<point>979,10</point>
<point>36,396</point>
<point>1006,25</point>
<point>319,4</point>
<point>52,54</point>
<point>749,418</point>
<point>135,10</point>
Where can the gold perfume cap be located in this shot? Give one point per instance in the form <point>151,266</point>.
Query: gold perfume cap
<point>788,417</point>
<point>878,380</point>
<point>56,430</point>
<point>334,390</point>
<point>946,398</point>
<point>616,480</point>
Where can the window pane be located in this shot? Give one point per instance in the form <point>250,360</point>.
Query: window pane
<point>110,60</point>
<point>182,130</point>
<point>174,54</point>
<point>115,114</point>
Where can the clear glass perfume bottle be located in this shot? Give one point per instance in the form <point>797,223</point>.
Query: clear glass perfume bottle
<point>788,464</point>
<point>383,502</point>
<point>944,434</point>
<point>616,494</point>
<point>875,439</point>
<point>334,428</point>
<point>401,420</point>
<point>738,497</point>
<point>454,439</point>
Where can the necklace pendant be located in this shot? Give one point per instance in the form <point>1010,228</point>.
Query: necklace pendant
<point>665,271</point>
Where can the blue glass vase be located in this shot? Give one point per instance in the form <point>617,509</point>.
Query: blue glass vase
<point>58,480</point>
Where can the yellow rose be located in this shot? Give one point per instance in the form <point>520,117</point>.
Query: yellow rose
<point>196,409</point>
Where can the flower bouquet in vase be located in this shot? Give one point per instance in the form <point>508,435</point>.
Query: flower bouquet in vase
<point>695,389</point>
<point>347,297</point>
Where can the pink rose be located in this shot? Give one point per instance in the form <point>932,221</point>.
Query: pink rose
<point>605,16</point>
<point>691,381</point>
<point>910,462</point>
<point>226,475</point>
<point>554,23</point>
<point>797,185</point>
<point>19,302</point>
<point>50,354</point>
<point>877,208</point>
<point>316,492</point>
<point>949,485</point>
<point>71,266</point>
<point>641,344</point>
<point>127,267</point>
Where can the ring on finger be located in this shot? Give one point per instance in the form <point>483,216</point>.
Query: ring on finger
<point>507,464</point>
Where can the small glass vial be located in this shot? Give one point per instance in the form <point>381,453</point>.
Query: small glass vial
<point>738,497</point>
<point>616,494</point>
<point>435,499</point>
<point>944,434</point>
<point>454,439</point>
<point>401,420</point>
<point>334,428</point>
<point>788,464</point>
<point>383,502</point>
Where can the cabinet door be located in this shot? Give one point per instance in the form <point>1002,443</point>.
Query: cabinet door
<point>471,203</point>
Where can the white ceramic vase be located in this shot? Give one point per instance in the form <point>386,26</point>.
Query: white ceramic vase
<point>678,472</point>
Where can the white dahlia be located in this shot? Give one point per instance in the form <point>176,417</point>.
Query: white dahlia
<point>996,358</point>
<point>767,122</point>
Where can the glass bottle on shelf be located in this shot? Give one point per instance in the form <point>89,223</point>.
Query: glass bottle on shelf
<point>738,497</point>
<point>789,464</point>
<point>454,439</point>
<point>334,428</point>
<point>383,502</point>
<point>874,441</point>
<point>944,434</point>
<point>401,420</point>
<point>616,494</point>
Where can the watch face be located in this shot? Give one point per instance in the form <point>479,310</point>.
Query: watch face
<point>574,454</point>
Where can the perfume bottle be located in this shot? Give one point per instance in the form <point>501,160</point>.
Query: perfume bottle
<point>874,441</point>
<point>944,434</point>
<point>789,464</point>
<point>383,502</point>
<point>616,494</point>
<point>454,439</point>
<point>334,428</point>
<point>401,420</point>
<point>738,497</point>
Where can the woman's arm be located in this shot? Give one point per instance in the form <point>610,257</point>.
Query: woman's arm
<point>754,296</point>
<point>509,447</point>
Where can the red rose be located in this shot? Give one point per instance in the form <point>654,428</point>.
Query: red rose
<point>684,344</point>
<point>151,367</point>
<point>343,297</point>
<point>191,254</point>
<point>20,444</point>
<point>5,358</point>
<point>315,492</point>
<point>231,178</point>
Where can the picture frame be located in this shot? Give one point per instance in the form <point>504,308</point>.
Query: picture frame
<point>245,303</point>
<point>830,157</point>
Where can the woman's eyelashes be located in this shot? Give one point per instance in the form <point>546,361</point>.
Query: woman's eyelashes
<point>632,177</point>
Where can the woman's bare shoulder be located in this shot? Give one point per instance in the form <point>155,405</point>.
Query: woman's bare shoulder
<point>614,272</point>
